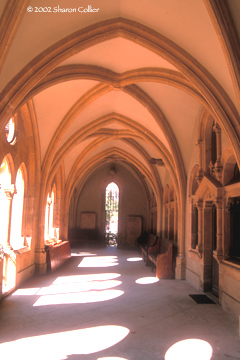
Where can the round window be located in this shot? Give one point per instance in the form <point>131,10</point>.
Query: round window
<point>11,132</point>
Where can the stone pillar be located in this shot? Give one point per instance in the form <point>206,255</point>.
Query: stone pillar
<point>180,269</point>
<point>9,194</point>
<point>175,221</point>
<point>49,202</point>
<point>217,165</point>
<point>226,227</point>
<point>206,272</point>
<point>194,227</point>
<point>219,251</point>
<point>200,171</point>
<point>200,227</point>
<point>168,220</point>
<point>57,217</point>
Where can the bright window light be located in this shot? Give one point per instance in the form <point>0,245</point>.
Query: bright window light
<point>17,212</point>
<point>60,345</point>
<point>99,261</point>
<point>135,259</point>
<point>147,280</point>
<point>190,349</point>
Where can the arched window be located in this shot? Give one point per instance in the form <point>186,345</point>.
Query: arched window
<point>5,181</point>
<point>111,210</point>
<point>50,231</point>
<point>17,240</point>
<point>52,213</point>
<point>10,130</point>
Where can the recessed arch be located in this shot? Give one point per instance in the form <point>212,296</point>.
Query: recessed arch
<point>145,100</point>
<point>230,170</point>
<point>6,175</point>
<point>81,175</point>
<point>193,184</point>
<point>18,209</point>
<point>91,129</point>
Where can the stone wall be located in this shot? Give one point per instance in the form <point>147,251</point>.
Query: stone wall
<point>132,199</point>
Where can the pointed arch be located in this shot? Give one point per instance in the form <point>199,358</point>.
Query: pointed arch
<point>6,171</point>
<point>111,213</point>
<point>17,221</point>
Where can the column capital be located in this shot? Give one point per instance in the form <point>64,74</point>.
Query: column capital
<point>10,191</point>
<point>199,142</point>
<point>49,200</point>
<point>199,204</point>
<point>219,203</point>
<point>216,128</point>
<point>208,204</point>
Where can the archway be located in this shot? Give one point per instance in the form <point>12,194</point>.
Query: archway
<point>111,214</point>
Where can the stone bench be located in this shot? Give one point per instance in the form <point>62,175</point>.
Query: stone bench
<point>160,256</point>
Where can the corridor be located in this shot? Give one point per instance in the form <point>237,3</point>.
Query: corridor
<point>105,304</point>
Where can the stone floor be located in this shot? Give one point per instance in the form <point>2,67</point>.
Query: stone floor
<point>102,304</point>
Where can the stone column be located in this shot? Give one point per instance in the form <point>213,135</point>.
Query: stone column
<point>169,217</point>
<point>226,227</point>
<point>200,171</point>
<point>49,202</point>
<point>219,251</point>
<point>9,194</point>
<point>194,227</point>
<point>175,221</point>
<point>207,251</point>
<point>200,227</point>
<point>166,220</point>
<point>217,165</point>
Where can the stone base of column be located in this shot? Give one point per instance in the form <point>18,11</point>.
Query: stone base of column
<point>218,254</point>
<point>180,270</point>
<point>40,262</point>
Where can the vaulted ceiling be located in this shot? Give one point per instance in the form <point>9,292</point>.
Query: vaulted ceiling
<point>126,83</point>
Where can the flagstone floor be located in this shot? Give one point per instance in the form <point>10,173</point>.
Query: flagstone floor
<point>105,304</point>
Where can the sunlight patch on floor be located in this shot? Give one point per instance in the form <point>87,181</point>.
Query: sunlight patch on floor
<point>26,292</point>
<point>82,253</point>
<point>135,259</point>
<point>84,278</point>
<point>78,287</point>
<point>147,280</point>
<point>78,298</point>
<point>111,358</point>
<point>190,349</point>
<point>58,346</point>
<point>99,261</point>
